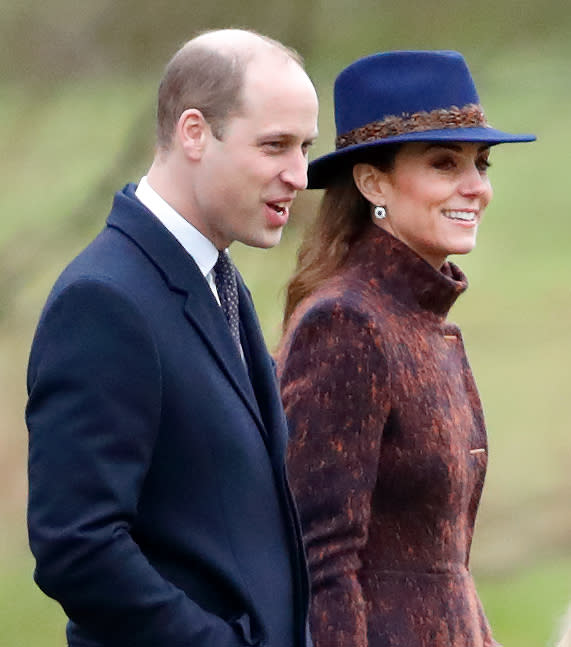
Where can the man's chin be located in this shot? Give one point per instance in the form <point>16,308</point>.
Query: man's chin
<point>268,240</point>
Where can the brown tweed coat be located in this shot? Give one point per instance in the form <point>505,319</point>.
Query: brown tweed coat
<point>388,452</point>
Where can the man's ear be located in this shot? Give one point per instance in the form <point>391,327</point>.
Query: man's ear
<point>371,182</point>
<point>192,131</point>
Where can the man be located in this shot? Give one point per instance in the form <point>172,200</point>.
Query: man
<point>159,512</point>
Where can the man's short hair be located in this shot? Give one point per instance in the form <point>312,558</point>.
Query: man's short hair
<point>201,77</point>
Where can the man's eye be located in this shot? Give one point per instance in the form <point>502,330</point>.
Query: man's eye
<point>274,146</point>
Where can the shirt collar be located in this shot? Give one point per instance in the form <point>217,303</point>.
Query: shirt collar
<point>196,244</point>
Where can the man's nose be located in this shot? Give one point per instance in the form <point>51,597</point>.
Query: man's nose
<point>295,171</point>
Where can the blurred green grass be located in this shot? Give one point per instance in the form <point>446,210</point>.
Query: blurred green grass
<point>27,617</point>
<point>56,139</point>
<point>524,609</point>
<point>67,146</point>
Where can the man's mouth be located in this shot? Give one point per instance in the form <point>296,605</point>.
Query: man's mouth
<point>280,208</point>
<point>464,216</point>
<point>278,212</point>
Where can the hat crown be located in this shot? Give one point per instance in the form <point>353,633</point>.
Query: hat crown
<point>404,96</point>
<point>401,83</point>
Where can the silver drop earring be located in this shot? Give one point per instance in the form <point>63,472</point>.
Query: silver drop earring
<point>380,213</point>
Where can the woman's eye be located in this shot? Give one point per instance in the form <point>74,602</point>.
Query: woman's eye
<point>444,163</point>
<point>483,165</point>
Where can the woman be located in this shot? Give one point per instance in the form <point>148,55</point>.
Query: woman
<point>388,445</point>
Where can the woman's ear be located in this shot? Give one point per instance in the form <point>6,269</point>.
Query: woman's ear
<point>192,131</point>
<point>371,182</point>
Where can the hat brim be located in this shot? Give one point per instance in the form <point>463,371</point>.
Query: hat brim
<point>322,170</point>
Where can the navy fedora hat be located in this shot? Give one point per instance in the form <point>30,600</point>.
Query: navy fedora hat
<point>402,96</point>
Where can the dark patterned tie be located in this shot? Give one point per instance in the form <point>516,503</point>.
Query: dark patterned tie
<point>226,285</point>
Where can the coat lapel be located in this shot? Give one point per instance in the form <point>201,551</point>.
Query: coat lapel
<point>183,275</point>
<point>262,373</point>
<point>207,317</point>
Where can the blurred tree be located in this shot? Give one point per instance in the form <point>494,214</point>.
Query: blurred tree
<point>64,39</point>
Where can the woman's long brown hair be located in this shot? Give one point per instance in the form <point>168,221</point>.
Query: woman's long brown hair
<point>343,216</point>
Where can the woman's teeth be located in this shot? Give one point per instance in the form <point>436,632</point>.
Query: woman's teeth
<point>467,216</point>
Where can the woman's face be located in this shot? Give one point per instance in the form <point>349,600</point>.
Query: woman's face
<point>435,197</point>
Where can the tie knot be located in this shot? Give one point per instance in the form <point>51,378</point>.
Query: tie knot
<point>223,266</point>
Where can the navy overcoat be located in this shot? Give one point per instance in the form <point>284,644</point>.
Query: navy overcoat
<point>159,509</point>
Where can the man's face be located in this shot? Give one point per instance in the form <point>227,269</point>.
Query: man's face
<point>248,179</point>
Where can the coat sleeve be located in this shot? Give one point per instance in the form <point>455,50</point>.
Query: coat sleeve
<point>337,397</point>
<point>93,414</point>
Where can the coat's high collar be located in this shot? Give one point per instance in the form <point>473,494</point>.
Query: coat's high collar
<point>390,263</point>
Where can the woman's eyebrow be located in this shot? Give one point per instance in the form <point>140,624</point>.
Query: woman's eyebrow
<point>454,147</point>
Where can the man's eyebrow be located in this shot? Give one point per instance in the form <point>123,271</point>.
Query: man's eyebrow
<point>275,134</point>
<point>284,135</point>
<point>311,139</point>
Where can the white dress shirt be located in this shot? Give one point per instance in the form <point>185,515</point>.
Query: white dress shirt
<point>202,250</point>
<point>196,244</point>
